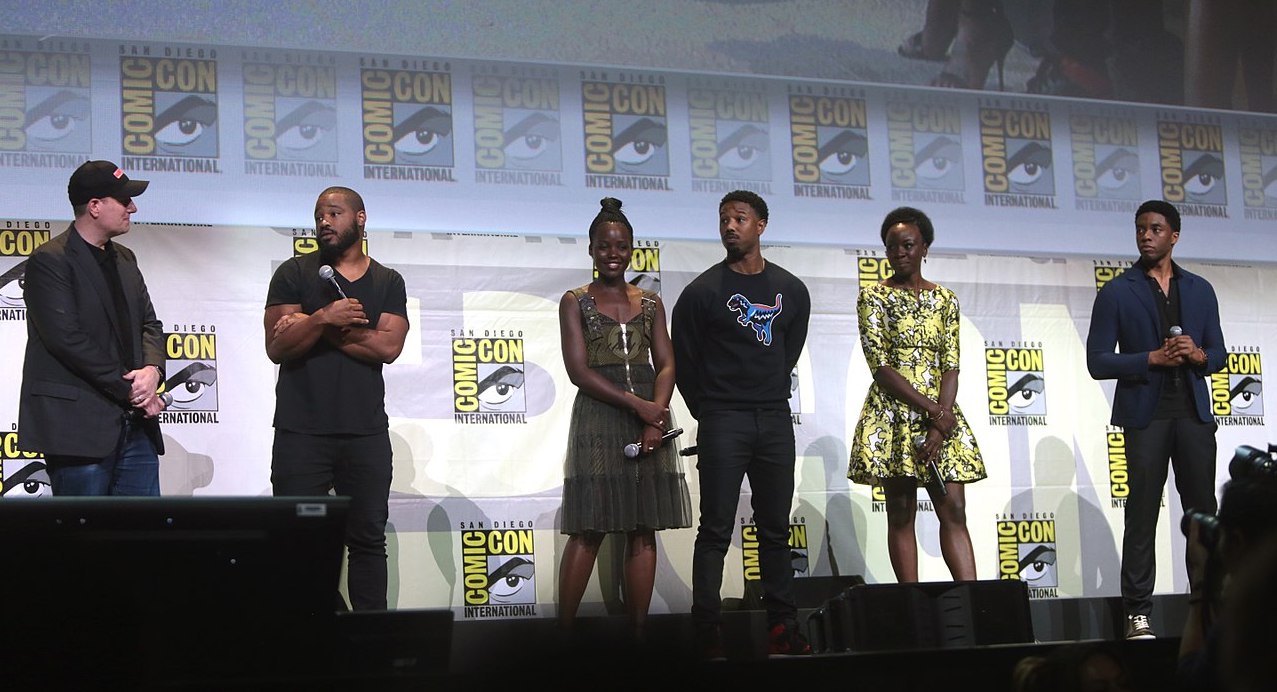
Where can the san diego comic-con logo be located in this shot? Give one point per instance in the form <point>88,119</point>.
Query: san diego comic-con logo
<point>1191,159</point>
<point>488,374</point>
<point>1237,391</point>
<point>626,128</point>
<point>1257,152</point>
<point>1026,551</point>
<point>924,144</point>
<point>518,136</point>
<point>1016,156</point>
<point>290,114</point>
<point>18,239</point>
<point>829,141</point>
<point>406,120</point>
<point>751,558</point>
<point>45,102</point>
<point>191,374</point>
<point>1106,163</point>
<point>1015,383</point>
<point>23,474</point>
<point>498,572</point>
<point>168,108</point>
<point>871,268</point>
<point>729,126</point>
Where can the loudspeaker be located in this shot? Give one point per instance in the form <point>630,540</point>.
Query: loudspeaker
<point>881,617</point>
<point>809,592</point>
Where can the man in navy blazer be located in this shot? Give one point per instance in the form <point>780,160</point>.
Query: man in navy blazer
<point>1164,323</point>
<point>95,353</point>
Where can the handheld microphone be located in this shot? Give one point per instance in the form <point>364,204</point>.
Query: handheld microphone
<point>687,451</point>
<point>633,449</point>
<point>167,399</point>
<point>1175,331</point>
<point>326,273</point>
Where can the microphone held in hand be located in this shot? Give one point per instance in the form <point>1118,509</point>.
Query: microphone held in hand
<point>326,273</point>
<point>633,449</point>
<point>1170,334</point>
<point>166,398</point>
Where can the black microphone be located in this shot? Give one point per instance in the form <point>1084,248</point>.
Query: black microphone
<point>687,451</point>
<point>326,273</point>
<point>633,449</point>
<point>1170,333</point>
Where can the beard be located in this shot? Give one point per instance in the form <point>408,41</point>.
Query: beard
<point>329,252</point>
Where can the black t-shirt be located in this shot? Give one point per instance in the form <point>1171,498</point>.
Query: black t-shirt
<point>327,392</point>
<point>737,337</point>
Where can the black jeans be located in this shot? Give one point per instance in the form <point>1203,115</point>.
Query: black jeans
<point>357,466</point>
<point>733,445</point>
<point>1189,445</point>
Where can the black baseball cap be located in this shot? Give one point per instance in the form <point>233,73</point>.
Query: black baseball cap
<point>98,179</point>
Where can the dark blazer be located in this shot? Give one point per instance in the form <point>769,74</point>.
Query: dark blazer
<point>74,396</point>
<point>1126,316</point>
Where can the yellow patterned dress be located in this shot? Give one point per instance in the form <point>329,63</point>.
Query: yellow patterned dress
<point>918,337</point>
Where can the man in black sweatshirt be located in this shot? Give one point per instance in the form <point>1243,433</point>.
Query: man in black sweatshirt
<point>738,330</point>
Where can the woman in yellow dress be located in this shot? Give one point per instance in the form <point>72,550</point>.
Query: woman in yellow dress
<point>910,428</point>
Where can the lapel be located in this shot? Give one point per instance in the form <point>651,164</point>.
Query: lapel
<point>86,265</point>
<point>1139,288</point>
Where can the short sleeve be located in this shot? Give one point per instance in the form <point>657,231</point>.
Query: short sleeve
<point>871,314</point>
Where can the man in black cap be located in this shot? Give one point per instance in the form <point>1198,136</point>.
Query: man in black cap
<point>95,353</point>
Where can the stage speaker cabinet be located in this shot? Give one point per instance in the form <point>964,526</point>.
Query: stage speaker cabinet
<point>809,592</point>
<point>884,617</point>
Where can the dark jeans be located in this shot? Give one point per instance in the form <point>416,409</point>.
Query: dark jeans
<point>132,469</point>
<point>733,445</point>
<point>1189,445</point>
<point>357,466</point>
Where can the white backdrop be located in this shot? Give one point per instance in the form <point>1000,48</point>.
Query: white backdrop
<point>474,491</point>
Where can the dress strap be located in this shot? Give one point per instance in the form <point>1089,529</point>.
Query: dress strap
<point>589,312</point>
<point>649,311</point>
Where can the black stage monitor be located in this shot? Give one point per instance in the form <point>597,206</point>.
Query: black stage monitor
<point>169,588</point>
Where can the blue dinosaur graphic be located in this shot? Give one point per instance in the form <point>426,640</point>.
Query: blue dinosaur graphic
<point>756,315</point>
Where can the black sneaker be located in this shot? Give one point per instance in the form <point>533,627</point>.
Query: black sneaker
<point>1137,627</point>
<point>786,640</point>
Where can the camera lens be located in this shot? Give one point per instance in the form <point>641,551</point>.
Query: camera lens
<point>1208,526</point>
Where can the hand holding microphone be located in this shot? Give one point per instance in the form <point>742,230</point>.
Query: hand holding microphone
<point>634,449</point>
<point>326,273</point>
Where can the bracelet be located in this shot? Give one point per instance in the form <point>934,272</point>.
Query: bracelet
<point>939,416</point>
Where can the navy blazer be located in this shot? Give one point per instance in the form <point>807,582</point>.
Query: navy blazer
<point>1125,316</point>
<point>74,396</point>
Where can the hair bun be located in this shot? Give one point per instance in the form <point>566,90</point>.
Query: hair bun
<point>610,204</point>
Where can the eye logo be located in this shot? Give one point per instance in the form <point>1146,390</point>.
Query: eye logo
<point>498,571</point>
<point>1192,160</point>
<point>1106,163</point>
<point>1027,551</point>
<point>488,377</point>
<point>516,123</point>
<point>626,132</point>
<point>830,142</point>
<point>729,129</point>
<point>1237,391</point>
<point>407,117</point>
<point>1016,151</point>
<point>22,474</point>
<point>169,106</point>
<point>1016,386</point>
<point>1257,150</point>
<point>44,101</point>
<point>191,371</point>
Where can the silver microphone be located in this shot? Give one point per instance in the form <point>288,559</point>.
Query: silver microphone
<point>167,399</point>
<point>633,449</point>
<point>326,273</point>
